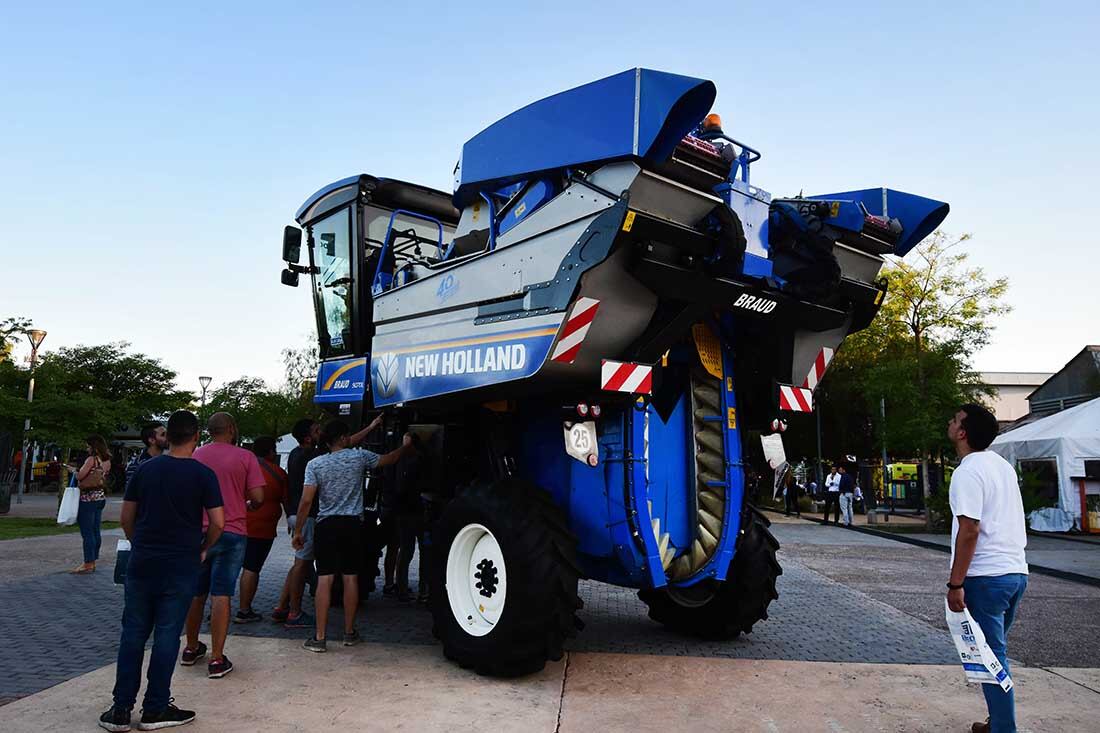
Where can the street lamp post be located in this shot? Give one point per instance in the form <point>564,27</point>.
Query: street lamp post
<point>204,382</point>
<point>35,336</point>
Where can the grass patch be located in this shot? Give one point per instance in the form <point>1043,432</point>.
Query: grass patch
<point>17,528</point>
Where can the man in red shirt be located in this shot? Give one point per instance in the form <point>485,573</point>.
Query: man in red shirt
<point>262,526</point>
<point>242,486</point>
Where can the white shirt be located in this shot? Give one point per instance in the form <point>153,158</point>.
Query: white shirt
<point>984,487</point>
<point>832,482</point>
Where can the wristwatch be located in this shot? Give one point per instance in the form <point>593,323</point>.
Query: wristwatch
<point>954,587</point>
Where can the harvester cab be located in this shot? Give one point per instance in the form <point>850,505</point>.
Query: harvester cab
<point>594,318</point>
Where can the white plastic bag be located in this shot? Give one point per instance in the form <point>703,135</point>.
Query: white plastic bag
<point>978,660</point>
<point>70,505</point>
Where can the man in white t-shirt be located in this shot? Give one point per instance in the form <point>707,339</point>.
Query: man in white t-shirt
<point>832,495</point>
<point>988,536</point>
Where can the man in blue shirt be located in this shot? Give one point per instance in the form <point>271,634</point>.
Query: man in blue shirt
<point>162,515</point>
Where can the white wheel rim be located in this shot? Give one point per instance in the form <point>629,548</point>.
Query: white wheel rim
<point>477,583</point>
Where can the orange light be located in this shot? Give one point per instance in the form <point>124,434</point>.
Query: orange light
<point>712,121</point>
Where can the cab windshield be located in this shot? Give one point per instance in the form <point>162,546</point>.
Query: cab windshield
<point>331,239</point>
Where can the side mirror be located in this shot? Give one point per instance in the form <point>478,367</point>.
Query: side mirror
<point>292,245</point>
<point>289,277</point>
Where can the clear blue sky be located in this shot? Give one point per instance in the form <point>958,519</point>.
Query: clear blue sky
<point>150,156</point>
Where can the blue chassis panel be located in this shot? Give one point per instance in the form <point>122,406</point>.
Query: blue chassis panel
<point>606,505</point>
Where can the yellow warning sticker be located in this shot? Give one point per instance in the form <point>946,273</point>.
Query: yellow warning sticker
<point>520,209</point>
<point>878,298</point>
<point>834,208</point>
<point>731,418</point>
<point>729,384</point>
<point>628,222</point>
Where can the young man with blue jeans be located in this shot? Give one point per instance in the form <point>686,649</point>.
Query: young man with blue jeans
<point>162,514</point>
<point>988,537</point>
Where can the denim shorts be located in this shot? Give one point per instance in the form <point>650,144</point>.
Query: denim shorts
<point>218,576</point>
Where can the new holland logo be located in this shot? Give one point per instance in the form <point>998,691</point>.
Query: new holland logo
<point>755,303</point>
<point>385,374</point>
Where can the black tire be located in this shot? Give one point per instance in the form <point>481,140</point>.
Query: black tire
<point>724,610</point>
<point>540,558</point>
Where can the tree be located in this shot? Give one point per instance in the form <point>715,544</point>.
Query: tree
<point>10,330</point>
<point>257,409</point>
<point>80,390</point>
<point>916,353</point>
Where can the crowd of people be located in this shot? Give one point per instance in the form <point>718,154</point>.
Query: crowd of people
<point>840,493</point>
<point>203,520</point>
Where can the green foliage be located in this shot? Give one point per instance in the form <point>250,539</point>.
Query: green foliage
<point>11,329</point>
<point>1032,491</point>
<point>81,390</point>
<point>257,409</point>
<point>916,353</point>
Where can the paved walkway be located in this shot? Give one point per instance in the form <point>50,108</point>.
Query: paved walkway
<point>280,688</point>
<point>859,620</point>
<point>1082,558</point>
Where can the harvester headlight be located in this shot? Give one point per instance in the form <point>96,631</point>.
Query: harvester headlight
<point>582,409</point>
<point>596,410</point>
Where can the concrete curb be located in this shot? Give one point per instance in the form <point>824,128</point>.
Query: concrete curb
<point>899,537</point>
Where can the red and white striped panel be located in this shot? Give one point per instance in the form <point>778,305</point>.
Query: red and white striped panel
<point>575,329</point>
<point>796,399</point>
<point>817,371</point>
<point>619,376</point>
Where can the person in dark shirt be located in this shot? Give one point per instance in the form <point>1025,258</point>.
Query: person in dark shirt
<point>162,516</point>
<point>307,433</point>
<point>155,438</point>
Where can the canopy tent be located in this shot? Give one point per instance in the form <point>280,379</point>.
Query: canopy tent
<point>1068,437</point>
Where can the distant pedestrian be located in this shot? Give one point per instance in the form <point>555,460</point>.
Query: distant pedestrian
<point>847,495</point>
<point>92,480</point>
<point>790,495</point>
<point>262,526</point>
<point>155,439</point>
<point>289,608</point>
<point>162,516</point>
<point>832,495</point>
<point>988,537</point>
<point>336,481</point>
<point>242,485</point>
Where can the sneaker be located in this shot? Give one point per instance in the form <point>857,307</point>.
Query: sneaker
<point>302,621</point>
<point>116,719</point>
<point>389,590</point>
<point>314,644</point>
<point>190,656</point>
<point>352,639</point>
<point>219,668</point>
<point>279,615</point>
<point>170,717</point>
<point>246,617</point>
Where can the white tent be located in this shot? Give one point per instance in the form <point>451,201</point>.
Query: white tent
<point>1067,437</point>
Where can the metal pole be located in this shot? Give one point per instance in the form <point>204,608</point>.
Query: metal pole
<point>882,407</point>
<point>817,412</point>
<point>27,423</point>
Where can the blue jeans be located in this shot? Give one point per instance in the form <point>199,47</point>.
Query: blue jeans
<point>155,604</point>
<point>992,601</point>
<point>89,515</point>
<point>218,576</point>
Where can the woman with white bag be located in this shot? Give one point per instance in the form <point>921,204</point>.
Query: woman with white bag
<point>92,480</point>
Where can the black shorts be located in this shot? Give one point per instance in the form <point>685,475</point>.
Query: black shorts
<point>255,553</point>
<point>338,545</point>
